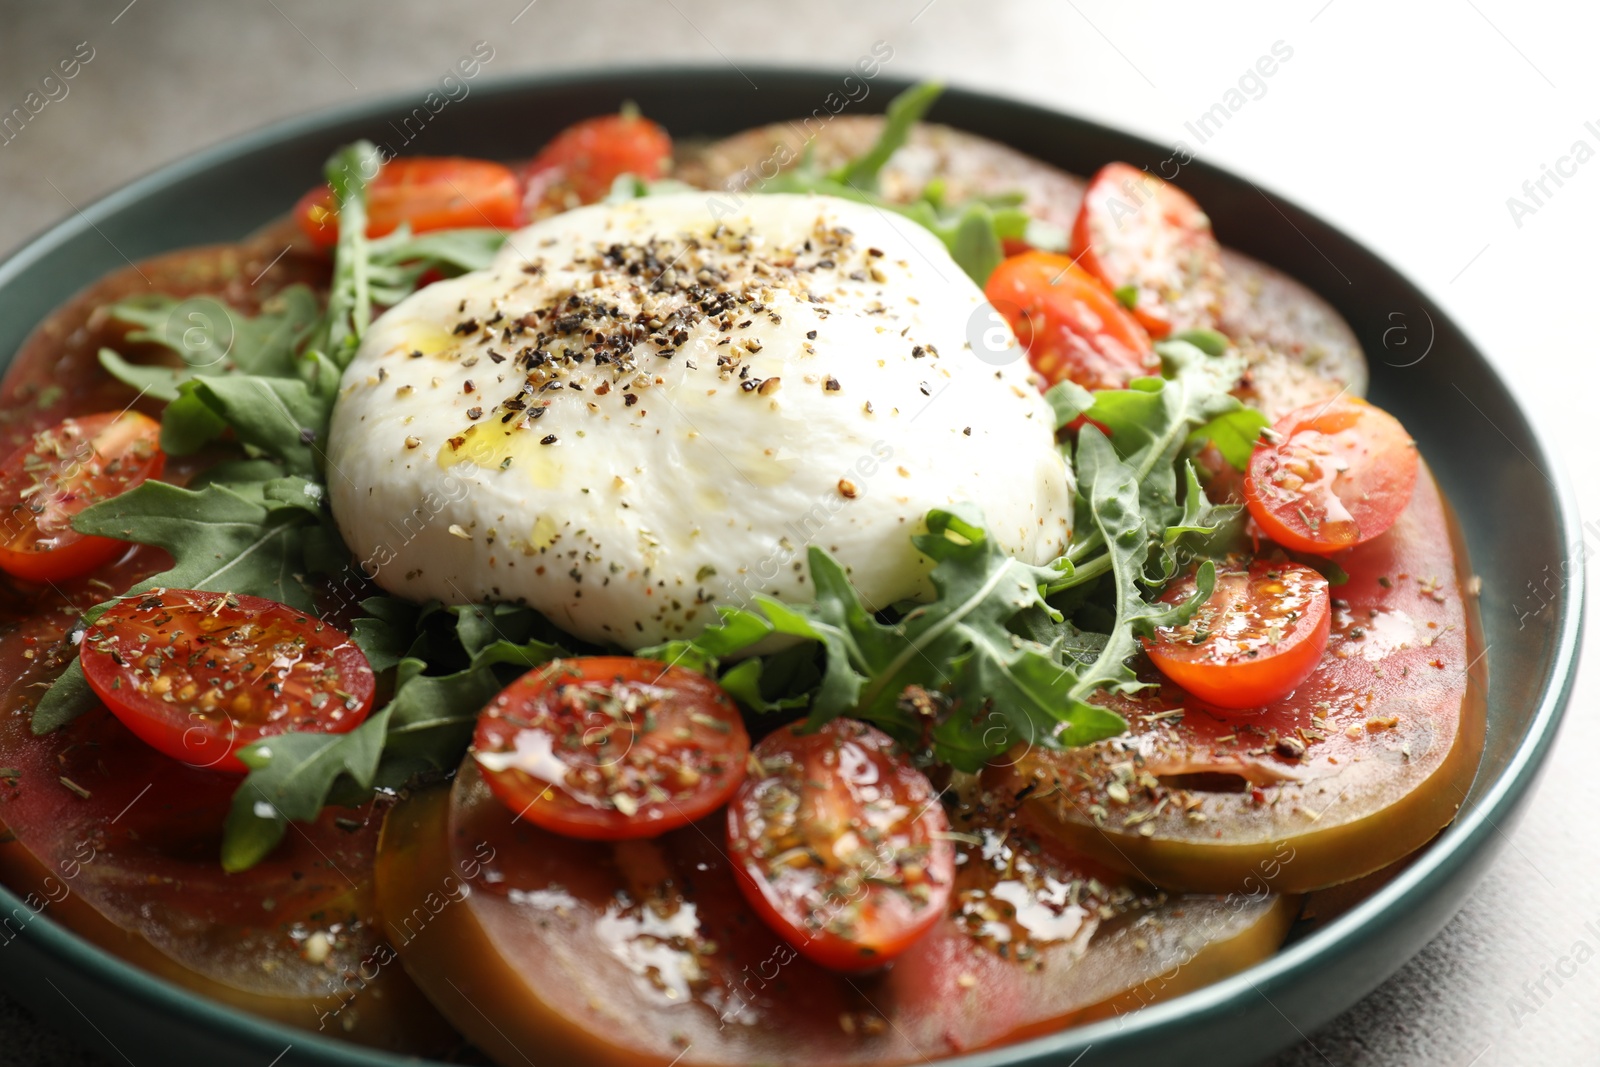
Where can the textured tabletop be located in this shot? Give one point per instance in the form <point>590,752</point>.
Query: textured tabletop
<point>1409,125</point>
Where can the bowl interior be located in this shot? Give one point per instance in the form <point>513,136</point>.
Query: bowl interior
<point>1516,515</point>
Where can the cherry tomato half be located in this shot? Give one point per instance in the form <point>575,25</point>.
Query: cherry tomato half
<point>611,747</point>
<point>64,469</point>
<point>1337,475</point>
<point>1137,232</point>
<point>580,163</point>
<point>199,675</point>
<point>841,845</point>
<point>1253,641</point>
<point>1069,323</point>
<point>428,192</point>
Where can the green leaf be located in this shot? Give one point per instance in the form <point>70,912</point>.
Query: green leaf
<point>154,381</point>
<point>280,417</point>
<point>189,424</point>
<point>975,246</point>
<point>1210,342</point>
<point>349,310</point>
<point>1234,433</point>
<point>67,698</point>
<point>996,687</point>
<point>385,631</point>
<point>903,113</point>
<point>1068,400</point>
<point>290,775</point>
<point>1124,527</point>
<point>219,539</point>
<point>735,631</point>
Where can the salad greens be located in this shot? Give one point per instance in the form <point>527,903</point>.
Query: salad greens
<point>1005,652</point>
<point>1009,652</point>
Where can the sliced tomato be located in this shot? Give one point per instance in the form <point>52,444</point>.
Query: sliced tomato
<point>425,192</point>
<point>1337,475</point>
<point>1142,236</point>
<point>841,845</point>
<point>612,747</point>
<point>64,469</point>
<point>199,675</point>
<point>618,954</point>
<point>1069,323</point>
<point>1258,635</point>
<point>580,163</point>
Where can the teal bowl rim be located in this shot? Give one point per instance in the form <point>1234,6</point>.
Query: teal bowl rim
<point>1458,846</point>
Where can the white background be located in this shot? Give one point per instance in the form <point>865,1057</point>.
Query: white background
<point>1407,124</point>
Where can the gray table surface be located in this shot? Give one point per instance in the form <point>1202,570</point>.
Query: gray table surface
<point>1409,125</point>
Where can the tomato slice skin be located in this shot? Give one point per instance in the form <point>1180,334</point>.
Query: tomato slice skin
<point>609,748</point>
<point>1069,323</point>
<point>1338,475</point>
<point>580,163</point>
<point>63,470</point>
<point>426,192</point>
<point>1136,230</point>
<point>199,675</point>
<point>788,831</point>
<point>1257,637</point>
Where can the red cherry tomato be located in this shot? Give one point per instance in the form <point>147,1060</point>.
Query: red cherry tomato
<point>1337,475</point>
<point>1137,233</point>
<point>64,469</point>
<point>611,747</point>
<point>580,163</point>
<point>429,193</point>
<point>1256,638</point>
<point>1069,323</point>
<point>841,845</point>
<point>199,675</point>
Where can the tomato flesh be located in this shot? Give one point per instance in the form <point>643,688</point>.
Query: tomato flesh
<point>612,747</point>
<point>1069,323</point>
<point>199,675</point>
<point>1258,635</point>
<point>841,845</point>
<point>580,163</point>
<point>1337,475</point>
<point>424,192</point>
<point>64,469</point>
<point>1137,232</point>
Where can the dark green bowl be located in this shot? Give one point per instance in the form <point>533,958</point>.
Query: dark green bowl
<point>1518,516</point>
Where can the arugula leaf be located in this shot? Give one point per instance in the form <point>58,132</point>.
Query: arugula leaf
<point>67,698</point>
<point>398,260</point>
<point>290,777</point>
<point>974,244</point>
<point>1125,528</point>
<point>736,630</point>
<point>349,310</point>
<point>1234,433</point>
<point>277,417</point>
<point>995,686</point>
<point>385,630</point>
<point>219,539</point>
<point>211,338</point>
<point>1068,400</point>
<point>903,113</point>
